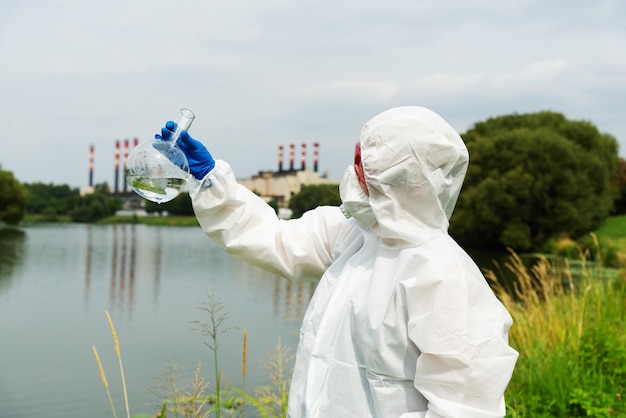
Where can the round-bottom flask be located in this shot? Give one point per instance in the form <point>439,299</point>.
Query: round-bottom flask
<point>158,170</point>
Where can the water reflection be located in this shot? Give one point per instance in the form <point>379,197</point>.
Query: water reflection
<point>12,244</point>
<point>123,264</point>
<point>133,254</point>
<point>289,299</point>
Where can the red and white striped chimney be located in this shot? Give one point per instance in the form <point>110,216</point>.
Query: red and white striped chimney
<point>280,158</point>
<point>316,147</point>
<point>117,166</point>
<point>91,166</point>
<point>126,146</point>
<point>303,157</point>
<point>292,155</point>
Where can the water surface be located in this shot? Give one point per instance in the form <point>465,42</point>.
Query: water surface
<point>56,281</point>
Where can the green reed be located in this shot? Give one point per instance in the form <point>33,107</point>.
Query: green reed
<point>569,331</point>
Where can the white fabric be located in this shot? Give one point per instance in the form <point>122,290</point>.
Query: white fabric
<point>355,202</point>
<point>402,322</point>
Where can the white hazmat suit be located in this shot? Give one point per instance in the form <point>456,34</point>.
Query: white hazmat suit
<point>402,322</point>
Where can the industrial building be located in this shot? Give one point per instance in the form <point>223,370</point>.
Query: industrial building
<point>280,185</point>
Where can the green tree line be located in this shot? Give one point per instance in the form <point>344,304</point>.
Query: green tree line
<point>52,202</point>
<point>532,178</point>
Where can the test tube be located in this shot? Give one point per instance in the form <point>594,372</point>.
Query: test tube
<point>183,123</point>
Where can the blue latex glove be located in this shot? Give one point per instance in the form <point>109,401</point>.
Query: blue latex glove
<point>200,160</point>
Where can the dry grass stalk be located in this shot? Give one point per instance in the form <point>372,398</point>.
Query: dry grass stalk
<point>245,355</point>
<point>102,375</point>
<point>244,364</point>
<point>190,401</point>
<point>104,380</point>
<point>116,345</point>
<point>548,304</point>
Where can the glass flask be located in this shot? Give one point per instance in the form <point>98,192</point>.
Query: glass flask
<point>158,170</point>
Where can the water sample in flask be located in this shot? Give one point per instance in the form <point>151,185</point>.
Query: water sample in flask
<point>157,170</point>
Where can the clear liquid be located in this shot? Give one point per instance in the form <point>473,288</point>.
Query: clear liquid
<point>158,190</point>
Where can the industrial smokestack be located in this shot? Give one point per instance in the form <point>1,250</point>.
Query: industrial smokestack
<point>280,158</point>
<point>126,145</point>
<point>316,147</point>
<point>292,155</point>
<point>135,142</point>
<point>91,166</point>
<point>303,156</point>
<point>117,166</point>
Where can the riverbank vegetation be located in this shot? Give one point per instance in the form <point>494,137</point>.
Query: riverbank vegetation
<point>201,397</point>
<point>54,203</point>
<point>568,326</point>
<point>13,198</point>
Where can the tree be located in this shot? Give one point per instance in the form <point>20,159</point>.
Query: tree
<point>620,185</point>
<point>96,206</point>
<point>181,205</point>
<point>51,200</point>
<point>533,177</point>
<point>313,196</point>
<point>274,205</point>
<point>13,198</point>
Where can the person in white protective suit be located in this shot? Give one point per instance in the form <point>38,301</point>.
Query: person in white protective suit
<point>402,322</point>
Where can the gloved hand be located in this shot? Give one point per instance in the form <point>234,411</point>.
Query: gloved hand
<point>200,160</point>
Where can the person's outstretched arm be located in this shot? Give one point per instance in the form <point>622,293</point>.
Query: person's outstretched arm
<point>247,227</point>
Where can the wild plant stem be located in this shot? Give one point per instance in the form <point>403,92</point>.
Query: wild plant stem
<point>244,364</point>
<point>124,388</point>
<point>116,345</point>
<point>217,384</point>
<point>104,380</point>
<point>111,403</point>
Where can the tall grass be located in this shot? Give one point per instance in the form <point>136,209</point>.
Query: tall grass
<point>105,382</point>
<point>212,329</point>
<point>569,331</point>
<point>199,399</point>
<point>271,401</point>
<point>118,353</point>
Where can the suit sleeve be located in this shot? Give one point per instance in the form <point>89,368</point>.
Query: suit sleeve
<point>247,227</point>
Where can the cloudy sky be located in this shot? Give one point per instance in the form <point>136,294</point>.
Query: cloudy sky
<point>259,74</point>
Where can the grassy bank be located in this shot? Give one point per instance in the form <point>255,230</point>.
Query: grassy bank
<point>569,331</point>
<point>145,220</point>
<point>568,326</point>
<point>613,229</point>
<point>38,219</point>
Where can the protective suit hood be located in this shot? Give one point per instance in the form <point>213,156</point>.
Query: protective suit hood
<point>414,164</point>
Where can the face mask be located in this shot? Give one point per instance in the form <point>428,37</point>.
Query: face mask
<point>355,202</point>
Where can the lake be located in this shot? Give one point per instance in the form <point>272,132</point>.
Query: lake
<point>56,281</point>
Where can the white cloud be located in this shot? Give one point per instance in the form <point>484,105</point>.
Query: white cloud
<point>532,79</point>
<point>260,74</point>
<point>351,91</point>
